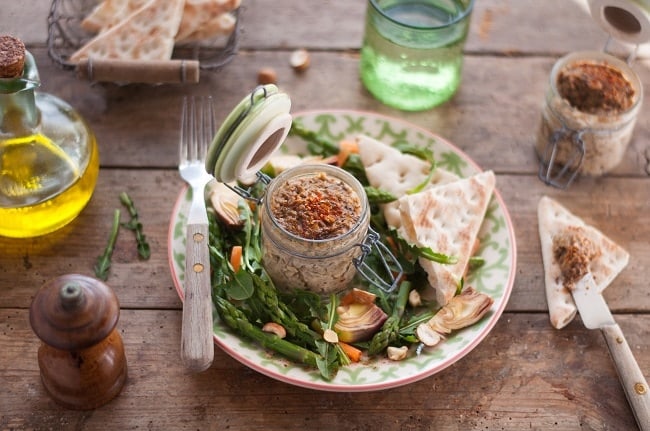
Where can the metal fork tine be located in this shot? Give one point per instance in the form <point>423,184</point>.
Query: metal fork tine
<point>209,126</point>
<point>194,138</point>
<point>182,148</point>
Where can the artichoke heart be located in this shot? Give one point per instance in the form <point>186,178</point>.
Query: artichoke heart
<point>225,203</point>
<point>461,311</point>
<point>358,320</point>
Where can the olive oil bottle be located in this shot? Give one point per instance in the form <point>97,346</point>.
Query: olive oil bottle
<point>49,161</point>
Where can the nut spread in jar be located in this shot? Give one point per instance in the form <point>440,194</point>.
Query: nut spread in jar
<point>598,89</point>
<point>316,207</point>
<point>314,218</point>
<point>589,113</point>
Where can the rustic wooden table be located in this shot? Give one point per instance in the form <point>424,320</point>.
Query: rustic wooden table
<point>524,375</point>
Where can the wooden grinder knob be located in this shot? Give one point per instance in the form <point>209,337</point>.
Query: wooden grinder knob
<point>81,357</point>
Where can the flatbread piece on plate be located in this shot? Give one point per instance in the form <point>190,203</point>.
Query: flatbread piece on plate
<point>608,261</point>
<point>447,219</point>
<point>387,168</point>
<point>147,34</point>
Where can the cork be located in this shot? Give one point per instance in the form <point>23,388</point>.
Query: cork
<point>12,57</point>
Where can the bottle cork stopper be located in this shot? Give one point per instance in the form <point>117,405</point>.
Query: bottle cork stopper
<point>12,57</point>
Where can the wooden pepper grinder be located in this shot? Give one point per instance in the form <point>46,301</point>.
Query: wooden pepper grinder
<point>81,359</point>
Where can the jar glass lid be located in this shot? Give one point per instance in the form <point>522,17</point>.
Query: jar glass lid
<point>250,134</point>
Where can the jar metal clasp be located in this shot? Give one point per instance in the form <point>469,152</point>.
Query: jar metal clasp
<point>247,192</point>
<point>389,264</point>
<point>561,175</point>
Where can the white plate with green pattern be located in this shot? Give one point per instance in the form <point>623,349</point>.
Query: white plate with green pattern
<point>495,277</point>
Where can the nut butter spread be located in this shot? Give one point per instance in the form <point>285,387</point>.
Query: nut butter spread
<point>316,207</point>
<point>595,88</point>
<point>573,252</point>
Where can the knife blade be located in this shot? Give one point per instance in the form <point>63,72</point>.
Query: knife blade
<point>595,314</point>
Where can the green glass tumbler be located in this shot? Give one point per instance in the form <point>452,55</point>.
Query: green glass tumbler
<point>412,52</point>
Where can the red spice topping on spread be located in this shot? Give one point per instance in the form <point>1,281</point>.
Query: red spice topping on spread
<point>316,206</point>
<point>595,88</point>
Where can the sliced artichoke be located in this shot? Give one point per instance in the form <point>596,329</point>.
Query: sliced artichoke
<point>225,203</point>
<point>460,312</point>
<point>359,318</point>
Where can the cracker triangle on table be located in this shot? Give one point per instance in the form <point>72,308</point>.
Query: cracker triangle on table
<point>452,230</point>
<point>554,219</point>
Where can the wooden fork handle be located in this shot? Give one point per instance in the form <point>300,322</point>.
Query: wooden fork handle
<point>197,343</point>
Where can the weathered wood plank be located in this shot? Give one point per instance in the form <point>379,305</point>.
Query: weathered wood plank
<point>524,375</point>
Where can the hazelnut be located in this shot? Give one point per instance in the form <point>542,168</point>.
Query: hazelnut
<point>300,60</point>
<point>267,75</point>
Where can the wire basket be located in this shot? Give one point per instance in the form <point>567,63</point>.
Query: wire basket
<point>65,36</point>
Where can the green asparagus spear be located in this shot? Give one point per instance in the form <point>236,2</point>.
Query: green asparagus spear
<point>282,314</point>
<point>235,319</point>
<point>134,224</point>
<point>104,261</point>
<point>316,143</point>
<point>389,332</point>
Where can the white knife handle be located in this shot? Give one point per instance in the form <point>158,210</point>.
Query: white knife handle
<point>197,343</point>
<point>632,379</point>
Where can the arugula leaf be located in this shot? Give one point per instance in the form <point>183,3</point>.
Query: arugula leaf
<point>427,253</point>
<point>378,196</point>
<point>240,287</point>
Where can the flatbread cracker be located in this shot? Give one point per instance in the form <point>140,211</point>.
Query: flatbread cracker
<point>108,13</point>
<point>147,34</point>
<point>201,19</point>
<point>389,169</point>
<point>447,219</point>
<point>204,19</point>
<point>554,219</point>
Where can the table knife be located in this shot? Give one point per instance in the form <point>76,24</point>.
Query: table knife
<point>595,314</point>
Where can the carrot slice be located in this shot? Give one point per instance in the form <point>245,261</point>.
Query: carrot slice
<point>235,257</point>
<point>345,149</point>
<point>352,352</point>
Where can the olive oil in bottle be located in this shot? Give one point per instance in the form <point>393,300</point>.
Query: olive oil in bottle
<point>48,157</point>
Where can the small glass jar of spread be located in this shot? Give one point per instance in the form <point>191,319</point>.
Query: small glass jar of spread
<point>314,217</point>
<point>588,116</point>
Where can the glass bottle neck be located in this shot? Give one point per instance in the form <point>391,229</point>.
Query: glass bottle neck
<point>19,115</point>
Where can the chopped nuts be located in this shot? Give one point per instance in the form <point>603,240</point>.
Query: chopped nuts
<point>267,75</point>
<point>415,300</point>
<point>300,60</point>
<point>275,328</point>
<point>428,336</point>
<point>397,353</point>
<point>330,336</point>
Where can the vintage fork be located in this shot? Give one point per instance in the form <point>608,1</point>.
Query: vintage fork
<point>197,130</point>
